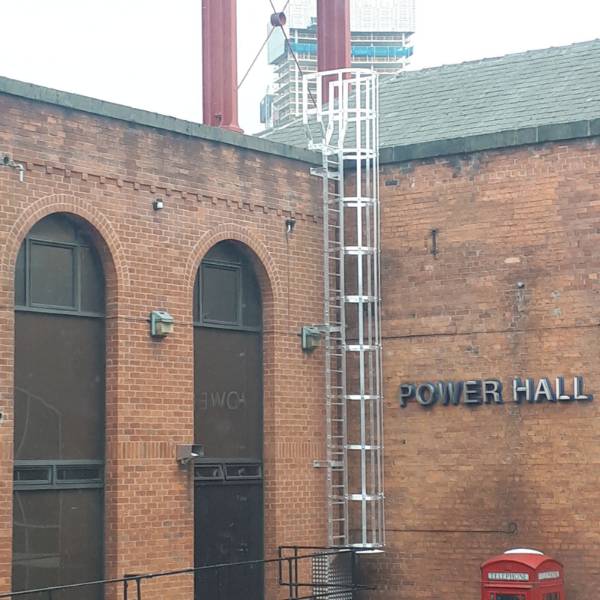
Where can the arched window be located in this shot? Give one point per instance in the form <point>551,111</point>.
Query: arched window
<point>228,422</point>
<point>59,408</point>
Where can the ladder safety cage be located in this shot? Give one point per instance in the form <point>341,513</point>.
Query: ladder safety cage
<point>349,145</point>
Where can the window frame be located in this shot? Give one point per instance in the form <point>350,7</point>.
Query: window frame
<point>53,482</point>
<point>76,275</point>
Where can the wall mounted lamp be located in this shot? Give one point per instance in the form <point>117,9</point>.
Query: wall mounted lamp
<point>7,161</point>
<point>161,323</point>
<point>186,453</point>
<point>310,337</point>
<point>158,204</point>
<point>289,225</point>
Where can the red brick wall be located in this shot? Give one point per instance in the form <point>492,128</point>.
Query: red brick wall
<point>108,172</point>
<point>457,477</point>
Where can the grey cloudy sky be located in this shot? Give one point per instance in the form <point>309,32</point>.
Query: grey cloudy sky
<point>147,53</point>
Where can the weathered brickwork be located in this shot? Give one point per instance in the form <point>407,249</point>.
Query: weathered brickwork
<point>108,172</point>
<point>513,291</point>
<point>510,291</point>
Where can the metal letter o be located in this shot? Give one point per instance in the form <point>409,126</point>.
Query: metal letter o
<point>431,399</point>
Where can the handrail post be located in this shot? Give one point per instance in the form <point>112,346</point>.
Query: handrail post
<point>219,583</point>
<point>296,589</point>
<point>279,569</point>
<point>291,583</point>
<point>353,570</point>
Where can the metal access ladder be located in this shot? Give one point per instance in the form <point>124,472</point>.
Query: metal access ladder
<point>349,144</point>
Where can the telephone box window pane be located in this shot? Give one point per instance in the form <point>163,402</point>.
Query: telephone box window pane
<point>92,281</point>
<point>52,275</point>
<point>220,294</point>
<point>57,541</point>
<point>20,278</point>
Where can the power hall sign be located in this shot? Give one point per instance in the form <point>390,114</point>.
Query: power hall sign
<point>492,391</point>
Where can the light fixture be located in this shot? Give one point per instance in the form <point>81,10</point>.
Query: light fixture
<point>289,225</point>
<point>186,453</point>
<point>161,323</point>
<point>158,204</point>
<point>7,161</point>
<point>311,337</point>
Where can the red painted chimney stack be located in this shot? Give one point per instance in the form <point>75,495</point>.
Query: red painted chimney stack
<point>219,64</point>
<point>333,37</point>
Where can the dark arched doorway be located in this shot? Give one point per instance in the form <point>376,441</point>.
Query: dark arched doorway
<point>228,422</point>
<point>59,409</point>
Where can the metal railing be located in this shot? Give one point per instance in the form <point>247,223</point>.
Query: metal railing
<point>298,573</point>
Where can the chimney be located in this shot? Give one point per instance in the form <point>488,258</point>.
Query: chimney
<point>333,37</point>
<point>219,64</point>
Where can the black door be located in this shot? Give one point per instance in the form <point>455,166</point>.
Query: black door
<point>228,499</point>
<point>229,531</point>
<point>59,410</point>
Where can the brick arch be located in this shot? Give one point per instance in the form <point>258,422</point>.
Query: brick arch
<point>272,293</point>
<point>111,251</point>
<point>269,279</point>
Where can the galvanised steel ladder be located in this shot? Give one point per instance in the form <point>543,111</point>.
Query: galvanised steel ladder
<point>349,144</point>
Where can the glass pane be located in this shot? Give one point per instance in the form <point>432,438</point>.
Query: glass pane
<point>196,306</point>
<point>52,275</point>
<point>32,474</point>
<point>225,252</point>
<point>55,228</point>
<point>228,393</point>
<point>59,387</point>
<point>78,473</point>
<point>92,281</point>
<point>220,294</point>
<point>57,540</point>
<point>20,278</point>
<point>251,306</point>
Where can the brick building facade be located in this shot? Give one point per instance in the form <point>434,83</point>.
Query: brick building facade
<point>489,192</point>
<point>489,273</point>
<point>215,186</point>
<point>512,291</point>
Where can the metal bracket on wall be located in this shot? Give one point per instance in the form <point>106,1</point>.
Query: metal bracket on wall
<point>7,161</point>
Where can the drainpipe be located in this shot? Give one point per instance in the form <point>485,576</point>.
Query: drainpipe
<point>219,64</point>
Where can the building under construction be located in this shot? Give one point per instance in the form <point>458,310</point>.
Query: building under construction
<point>381,39</point>
<point>356,358</point>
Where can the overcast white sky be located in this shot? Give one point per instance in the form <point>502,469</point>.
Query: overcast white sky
<point>147,53</point>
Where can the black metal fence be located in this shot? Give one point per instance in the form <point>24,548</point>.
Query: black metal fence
<point>298,573</point>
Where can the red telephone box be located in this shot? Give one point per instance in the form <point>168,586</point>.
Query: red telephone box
<point>522,574</point>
